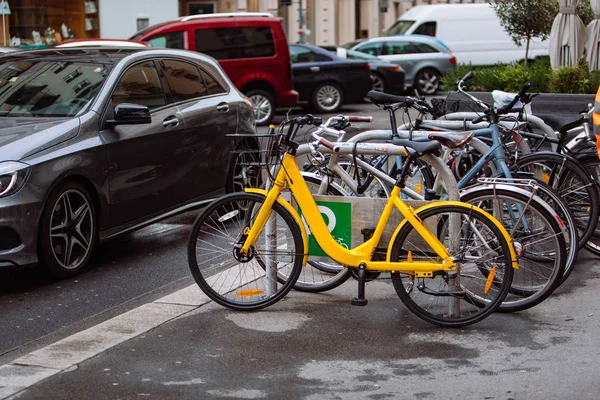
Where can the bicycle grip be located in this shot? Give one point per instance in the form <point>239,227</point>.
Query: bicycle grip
<point>357,118</point>
<point>468,76</point>
<point>525,88</point>
<point>328,144</point>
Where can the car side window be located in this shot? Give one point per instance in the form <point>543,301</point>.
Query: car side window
<point>141,85</point>
<point>212,85</point>
<point>300,54</point>
<point>171,40</point>
<point>323,57</point>
<point>425,48</point>
<point>403,48</point>
<point>185,80</point>
<point>236,42</point>
<point>426,28</point>
<point>374,49</point>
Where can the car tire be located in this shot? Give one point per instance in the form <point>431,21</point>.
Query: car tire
<point>327,98</point>
<point>68,230</point>
<point>263,106</point>
<point>427,81</point>
<point>378,83</point>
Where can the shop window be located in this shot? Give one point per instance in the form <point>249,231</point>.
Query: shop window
<point>201,8</point>
<point>45,22</point>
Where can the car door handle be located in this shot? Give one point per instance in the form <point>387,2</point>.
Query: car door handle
<point>315,69</point>
<point>222,107</point>
<point>170,122</point>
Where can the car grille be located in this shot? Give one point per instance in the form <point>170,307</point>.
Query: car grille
<point>9,239</point>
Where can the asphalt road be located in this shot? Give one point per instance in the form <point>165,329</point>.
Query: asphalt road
<point>125,272</point>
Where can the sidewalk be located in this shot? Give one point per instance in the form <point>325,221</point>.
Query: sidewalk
<point>318,346</point>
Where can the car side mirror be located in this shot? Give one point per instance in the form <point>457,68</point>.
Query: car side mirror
<point>131,114</point>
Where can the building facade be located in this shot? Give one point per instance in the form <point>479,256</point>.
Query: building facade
<point>319,21</point>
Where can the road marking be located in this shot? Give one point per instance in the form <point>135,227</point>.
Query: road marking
<point>65,354</point>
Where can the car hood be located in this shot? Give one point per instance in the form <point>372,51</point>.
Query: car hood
<point>21,137</point>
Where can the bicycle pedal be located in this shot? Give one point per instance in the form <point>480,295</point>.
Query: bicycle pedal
<point>358,302</point>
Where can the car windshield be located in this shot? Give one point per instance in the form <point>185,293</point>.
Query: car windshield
<point>32,88</point>
<point>399,28</point>
<point>357,55</point>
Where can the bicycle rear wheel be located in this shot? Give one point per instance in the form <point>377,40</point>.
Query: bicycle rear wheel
<point>573,183</point>
<point>250,282</point>
<point>538,238</point>
<point>484,270</point>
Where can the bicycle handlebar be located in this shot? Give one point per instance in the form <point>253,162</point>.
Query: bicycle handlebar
<point>509,106</point>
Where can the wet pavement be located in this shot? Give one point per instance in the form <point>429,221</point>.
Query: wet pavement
<point>318,346</point>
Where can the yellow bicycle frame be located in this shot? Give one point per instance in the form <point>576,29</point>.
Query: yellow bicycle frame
<point>289,174</point>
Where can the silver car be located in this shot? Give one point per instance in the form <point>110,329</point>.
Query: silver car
<point>424,59</point>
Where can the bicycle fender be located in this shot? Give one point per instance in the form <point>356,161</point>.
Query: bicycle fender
<point>294,213</point>
<point>513,254</point>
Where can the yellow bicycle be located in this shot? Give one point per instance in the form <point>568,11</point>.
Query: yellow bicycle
<point>451,263</point>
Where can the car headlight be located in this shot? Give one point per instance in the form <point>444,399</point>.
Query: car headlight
<point>12,177</point>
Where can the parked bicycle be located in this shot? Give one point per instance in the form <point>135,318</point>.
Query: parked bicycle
<point>451,262</point>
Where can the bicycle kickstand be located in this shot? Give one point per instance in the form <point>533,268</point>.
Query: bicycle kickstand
<point>362,277</point>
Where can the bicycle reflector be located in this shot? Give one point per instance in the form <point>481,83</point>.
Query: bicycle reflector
<point>490,279</point>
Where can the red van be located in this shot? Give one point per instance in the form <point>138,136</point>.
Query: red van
<point>251,48</point>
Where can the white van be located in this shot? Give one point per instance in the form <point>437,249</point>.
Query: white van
<point>471,31</point>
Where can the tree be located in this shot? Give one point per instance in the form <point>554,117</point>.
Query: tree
<point>585,12</point>
<point>524,20</point>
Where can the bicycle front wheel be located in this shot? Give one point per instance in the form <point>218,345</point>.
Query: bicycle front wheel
<point>484,270</point>
<point>244,282</point>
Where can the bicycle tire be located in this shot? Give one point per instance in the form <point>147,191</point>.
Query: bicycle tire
<point>551,196</point>
<point>243,285</point>
<point>591,163</point>
<point>541,247</point>
<point>478,293</point>
<point>573,183</point>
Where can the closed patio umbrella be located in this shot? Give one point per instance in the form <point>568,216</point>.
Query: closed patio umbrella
<point>593,39</point>
<point>568,35</point>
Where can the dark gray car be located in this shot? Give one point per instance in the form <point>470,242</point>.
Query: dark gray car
<point>97,142</point>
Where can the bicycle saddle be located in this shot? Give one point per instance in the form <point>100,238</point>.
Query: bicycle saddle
<point>384,98</point>
<point>451,140</point>
<point>419,147</point>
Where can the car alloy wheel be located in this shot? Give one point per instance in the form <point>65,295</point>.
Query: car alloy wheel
<point>264,108</point>
<point>378,83</point>
<point>68,230</point>
<point>427,81</point>
<point>327,98</point>
<point>71,229</point>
